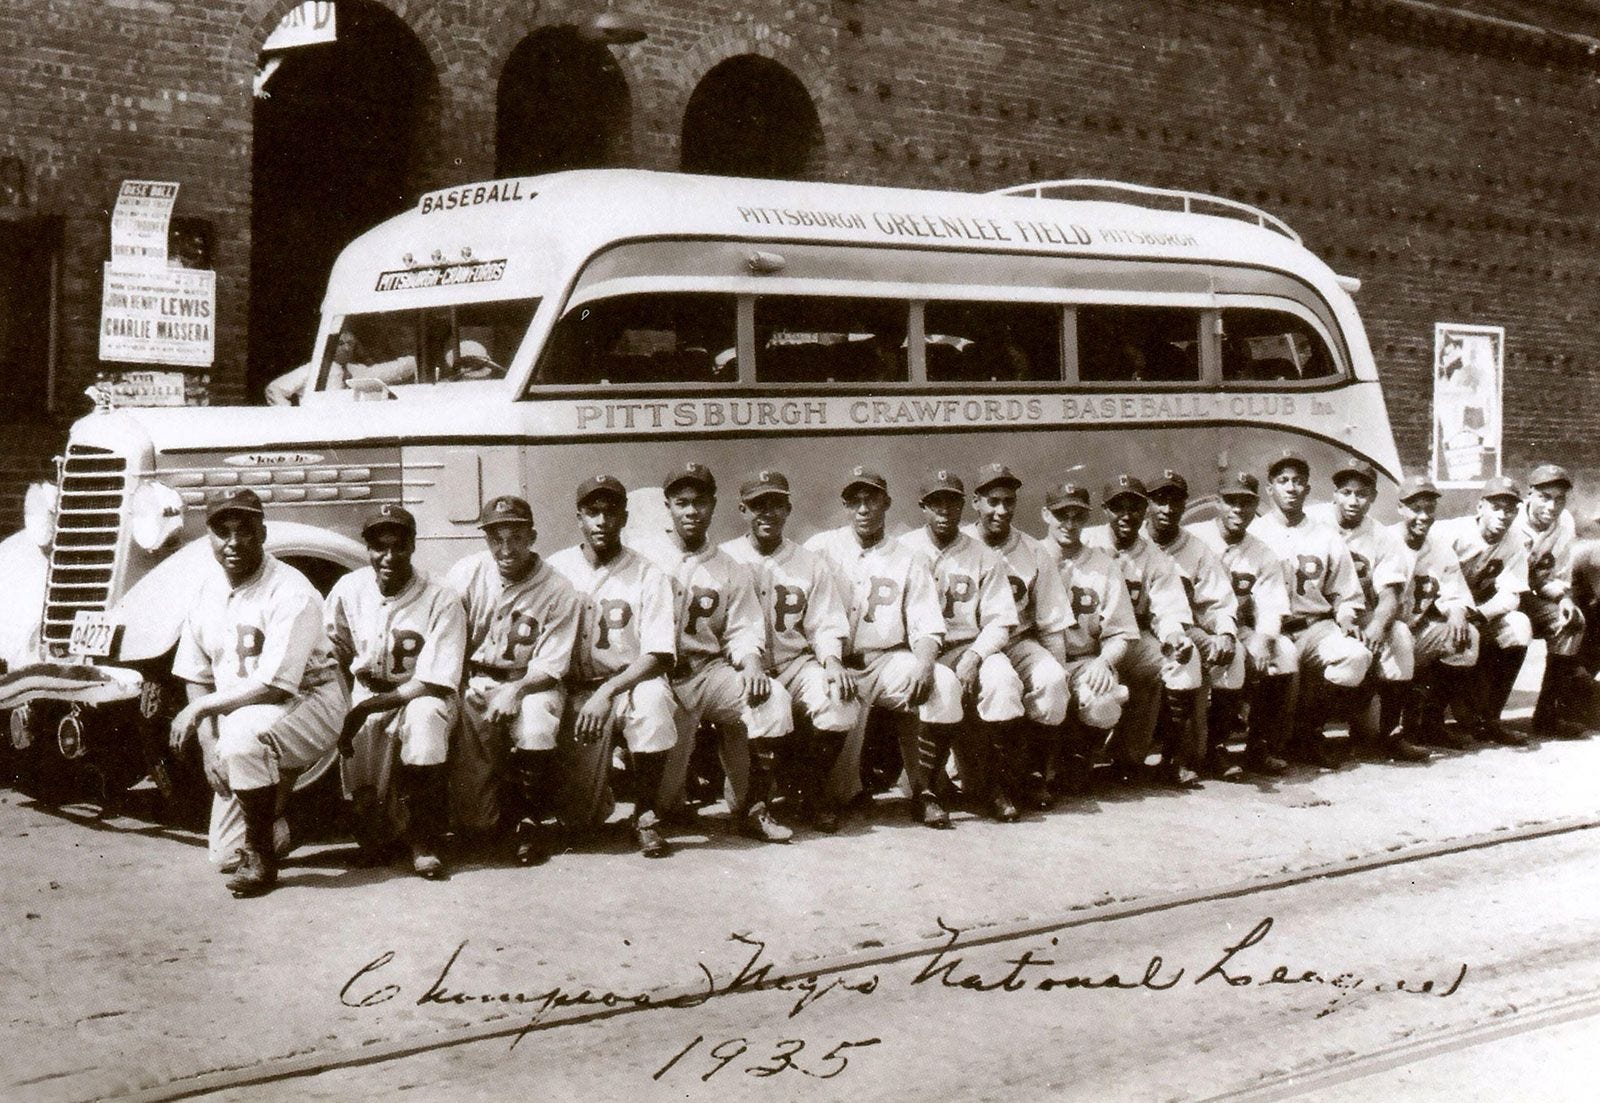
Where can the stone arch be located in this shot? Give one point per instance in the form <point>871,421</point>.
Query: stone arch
<point>561,102</point>
<point>751,116</point>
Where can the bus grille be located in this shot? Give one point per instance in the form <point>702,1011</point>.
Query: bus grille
<point>83,552</point>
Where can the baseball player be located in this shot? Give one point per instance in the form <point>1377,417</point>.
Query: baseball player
<point>521,623</point>
<point>1096,643</point>
<point>1215,610</point>
<point>1383,570</point>
<point>402,637</point>
<point>1445,646</point>
<point>1325,605</point>
<point>1256,575</point>
<point>720,677</point>
<point>264,694</point>
<point>1162,667</point>
<point>806,635</point>
<point>896,633</point>
<point>979,617</point>
<point>1494,562</point>
<point>1037,649</point>
<point>1548,532</point>
<point>627,644</point>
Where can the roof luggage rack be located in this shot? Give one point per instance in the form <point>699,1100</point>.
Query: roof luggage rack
<point>1072,189</point>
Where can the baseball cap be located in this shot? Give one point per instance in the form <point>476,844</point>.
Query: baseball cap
<point>1361,469</point>
<point>993,474</point>
<point>865,476</point>
<point>942,481</point>
<point>504,510</point>
<point>1169,480</point>
<point>1418,486</point>
<point>238,500</point>
<point>1548,474</point>
<point>761,484</point>
<point>389,515</point>
<point>1288,456</point>
<point>1067,494</point>
<point>697,473</point>
<point>1500,487</point>
<point>1122,486</point>
<point>1241,484</point>
<point>596,484</point>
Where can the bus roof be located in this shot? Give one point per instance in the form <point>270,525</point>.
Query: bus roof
<point>517,237</point>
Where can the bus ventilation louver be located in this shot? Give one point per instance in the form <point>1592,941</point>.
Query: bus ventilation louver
<point>83,552</point>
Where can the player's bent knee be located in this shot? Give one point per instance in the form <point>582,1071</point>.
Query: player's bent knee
<point>943,705</point>
<point>772,718</point>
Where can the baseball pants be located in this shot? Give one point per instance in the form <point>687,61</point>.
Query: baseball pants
<point>477,757</point>
<point>1563,637</point>
<point>715,695</point>
<point>1146,670</point>
<point>884,681</point>
<point>417,734</point>
<point>1044,681</point>
<point>646,718</point>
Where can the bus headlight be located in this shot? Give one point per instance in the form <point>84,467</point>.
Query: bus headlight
<point>39,513</point>
<point>154,515</point>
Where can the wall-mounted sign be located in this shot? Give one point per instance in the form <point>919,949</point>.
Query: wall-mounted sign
<point>164,317</point>
<point>139,225</point>
<point>1468,371</point>
<point>306,25</point>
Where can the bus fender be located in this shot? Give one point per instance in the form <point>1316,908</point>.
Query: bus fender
<point>24,567</point>
<point>153,610</point>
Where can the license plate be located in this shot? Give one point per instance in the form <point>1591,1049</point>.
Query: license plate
<point>92,634</point>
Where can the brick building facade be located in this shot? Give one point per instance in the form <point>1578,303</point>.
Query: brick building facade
<point>1442,152</point>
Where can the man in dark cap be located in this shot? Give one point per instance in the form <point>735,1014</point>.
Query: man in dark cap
<point>807,630</point>
<point>1325,606</point>
<point>1494,563</point>
<point>521,622</point>
<point>625,650</point>
<point>721,674</point>
<point>896,634</point>
<point>1549,533</point>
<point>402,637</point>
<point>264,693</point>
<point>1162,668</point>
<point>1256,576</point>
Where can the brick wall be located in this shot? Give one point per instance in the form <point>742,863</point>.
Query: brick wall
<point>1449,162</point>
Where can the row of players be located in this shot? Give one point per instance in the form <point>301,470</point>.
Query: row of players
<point>493,700</point>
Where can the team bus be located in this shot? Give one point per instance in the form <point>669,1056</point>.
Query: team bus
<point>516,336</point>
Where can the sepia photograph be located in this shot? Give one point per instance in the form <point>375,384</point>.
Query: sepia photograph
<point>876,550</point>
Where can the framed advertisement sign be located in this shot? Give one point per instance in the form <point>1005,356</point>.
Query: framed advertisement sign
<point>1468,372</point>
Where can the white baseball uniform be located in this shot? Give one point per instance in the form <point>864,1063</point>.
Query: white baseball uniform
<point>267,631</point>
<point>1043,612</point>
<point>513,628</point>
<point>1321,579</point>
<point>1209,588</point>
<point>1549,553</point>
<point>1496,576</point>
<point>1101,611</point>
<point>1436,589</point>
<point>1256,574</point>
<point>1380,564</point>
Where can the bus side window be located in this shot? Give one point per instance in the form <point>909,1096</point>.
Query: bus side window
<point>992,342</point>
<point>1138,344</point>
<point>831,340</point>
<point>659,338</point>
<point>1265,345</point>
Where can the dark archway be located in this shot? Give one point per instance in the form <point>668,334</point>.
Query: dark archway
<point>336,152</point>
<point>750,116</point>
<point>562,103</point>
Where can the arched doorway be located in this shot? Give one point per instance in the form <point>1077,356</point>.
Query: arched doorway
<point>336,152</point>
<point>562,103</point>
<point>750,116</point>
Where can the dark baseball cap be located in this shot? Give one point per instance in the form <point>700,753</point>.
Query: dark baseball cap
<point>389,515</point>
<point>1549,474</point>
<point>1168,480</point>
<point>942,481</point>
<point>238,500</point>
<point>1121,487</point>
<point>507,509</point>
<point>1418,486</point>
<point>600,484</point>
<point>1361,469</point>
<point>1241,484</point>
<point>865,476</point>
<point>697,473</point>
<point>995,474</point>
<point>761,484</point>
<point>1067,494</point>
<point>1500,486</point>
<point>1288,456</point>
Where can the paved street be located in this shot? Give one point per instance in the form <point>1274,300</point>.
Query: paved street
<point>129,967</point>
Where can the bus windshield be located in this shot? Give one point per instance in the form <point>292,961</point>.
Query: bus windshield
<point>452,344</point>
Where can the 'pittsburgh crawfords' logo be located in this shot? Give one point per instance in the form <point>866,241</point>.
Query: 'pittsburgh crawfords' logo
<point>442,275</point>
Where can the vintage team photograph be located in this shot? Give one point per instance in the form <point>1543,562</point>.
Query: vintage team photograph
<point>991,550</point>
